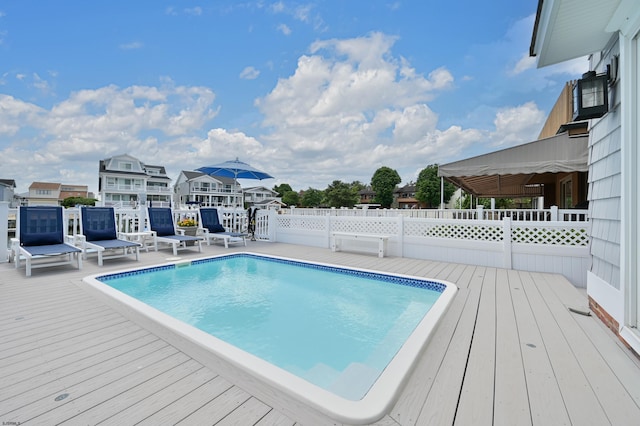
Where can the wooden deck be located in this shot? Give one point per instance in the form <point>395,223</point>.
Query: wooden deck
<point>508,352</point>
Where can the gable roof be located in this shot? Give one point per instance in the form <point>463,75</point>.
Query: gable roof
<point>8,182</point>
<point>191,175</point>
<point>45,185</point>
<point>509,172</point>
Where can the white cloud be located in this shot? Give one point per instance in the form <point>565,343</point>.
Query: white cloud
<point>284,29</point>
<point>350,107</point>
<point>41,84</point>
<point>14,114</point>
<point>156,124</point>
<point>516,125</point>
<point>526,62</point>
<point>132,45</point>
<point>194,11</point>
<point>249,73</point>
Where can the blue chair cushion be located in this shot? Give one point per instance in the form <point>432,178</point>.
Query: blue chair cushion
<point>161,221</point>
<point>216,228</point>
<point>98,223</point>
<point>41,226</point>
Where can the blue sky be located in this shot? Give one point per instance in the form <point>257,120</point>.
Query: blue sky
<point>309,92</point>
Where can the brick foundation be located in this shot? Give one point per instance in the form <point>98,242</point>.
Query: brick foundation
<point>608,320</point>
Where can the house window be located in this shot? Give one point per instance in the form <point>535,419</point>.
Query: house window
<point>123,165</point>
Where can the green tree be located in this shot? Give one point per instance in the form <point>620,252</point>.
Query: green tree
<point>74,201</point>
<point>340,194</point>
<point>501,203</point>
<point>291,198</point>
<point>312,198</point>
<point>357,185</point>
<point>383,183</point>
<point>428,187</point>
<point>282,189</point>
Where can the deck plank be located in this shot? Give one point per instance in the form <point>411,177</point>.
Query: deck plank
<point>218,408</point>
<point>275,418</point>
<point>183,407</point>
<point>476,399</point>
<point>582,404</point>
<point>86,361</point>
<point>407,410</point>
<point>511,403</point>
<point>545,396</point>
<point>618,405</point>
<point>248,413</point>
<point>441,403</point>
<point>134,392</point>
<point>150,404</point>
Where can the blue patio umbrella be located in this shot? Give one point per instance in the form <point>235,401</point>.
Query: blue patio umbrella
<point>235,169</point>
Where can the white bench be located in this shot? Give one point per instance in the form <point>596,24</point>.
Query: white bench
<point>337,237</point>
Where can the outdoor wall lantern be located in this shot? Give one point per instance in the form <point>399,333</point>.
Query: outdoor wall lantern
<point>590,96</point>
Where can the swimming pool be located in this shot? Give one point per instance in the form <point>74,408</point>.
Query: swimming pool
<point>341,340</point>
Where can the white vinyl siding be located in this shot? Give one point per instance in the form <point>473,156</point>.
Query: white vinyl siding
<point>605,206</point>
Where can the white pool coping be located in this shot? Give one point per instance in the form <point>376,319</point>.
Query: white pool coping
<point>373,406</point>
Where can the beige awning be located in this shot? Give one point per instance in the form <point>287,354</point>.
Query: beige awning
<point>515,172</point>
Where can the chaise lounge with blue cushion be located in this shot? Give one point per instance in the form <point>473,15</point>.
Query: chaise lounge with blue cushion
<point>99,233</point>
<point>211,229</point>
<point>161,221</point>
<point>41,239</point>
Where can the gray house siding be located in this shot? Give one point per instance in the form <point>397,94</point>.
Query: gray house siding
<point>605,205</point>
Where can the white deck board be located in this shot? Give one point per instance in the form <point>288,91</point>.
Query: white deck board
<point>507,351</point>
<point>511,403</point>
<point>206,389</point>
<point>545,396</point>
<point>476,399</point>
<point>617,404</point>
<point>579,398</point>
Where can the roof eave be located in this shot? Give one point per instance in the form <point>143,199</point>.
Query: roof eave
<point>569,29</point>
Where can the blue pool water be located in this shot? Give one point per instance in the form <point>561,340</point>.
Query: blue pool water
<point>336,328</point>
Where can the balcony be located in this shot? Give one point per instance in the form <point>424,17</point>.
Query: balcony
<point>159,190</point>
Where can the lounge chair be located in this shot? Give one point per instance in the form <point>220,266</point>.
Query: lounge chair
<point>99,233</point>
<point>211,229</point>
<point>41,235</point>
<point>161,221</point>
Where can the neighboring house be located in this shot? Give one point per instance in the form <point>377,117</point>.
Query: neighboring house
<point>608,32</point>
<point>366,195</point>
<point>44,193</point>
<point>270,205</point>
<point>262,197</point>
<point>125,180</point>
<point>405,198</point>
<point>82,191</point>
<point>7,191</point>
<point>208,191</point>
<point>53,194</point>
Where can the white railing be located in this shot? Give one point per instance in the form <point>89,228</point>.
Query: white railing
<point>533,245</point>
<point>159,190</point>
<point>553,214</point>
<point>540,245</point>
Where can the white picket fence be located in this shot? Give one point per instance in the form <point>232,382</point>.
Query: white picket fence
<point>542,245</point>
